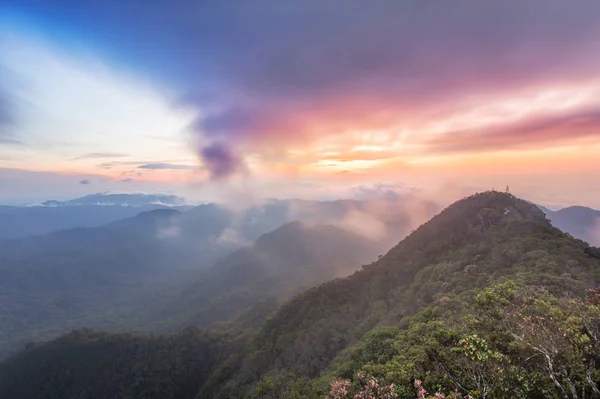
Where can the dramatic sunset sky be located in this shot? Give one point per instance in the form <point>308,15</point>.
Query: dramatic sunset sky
<point>310,98</point>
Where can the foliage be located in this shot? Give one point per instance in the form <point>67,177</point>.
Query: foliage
<point>477,242</point>
<point>512,342</point>
<point>486,300</point>
<point>90,364</point>
<point>286,385</point>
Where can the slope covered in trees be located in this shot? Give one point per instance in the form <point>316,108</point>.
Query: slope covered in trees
<point>510,341</point>
<point>89,364</point>
<point>475,243</point>
<point>244,288</point>
<point>108,277</point>
<point>278,265</point>
<point>487,300</point>
<point>96,277</point>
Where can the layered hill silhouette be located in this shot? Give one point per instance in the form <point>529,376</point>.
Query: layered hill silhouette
<point>386,311</point>
<point>281,263</point>
<point>579,221</point>
<point>89,211</point>
<point>94,276</point>
<point>108,277</point>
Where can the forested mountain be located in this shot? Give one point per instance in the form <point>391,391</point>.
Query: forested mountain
<point>108,277</point>
<point>278,265</point>
<point>475,243</point>
<point>487,299</point>
<point>89,364</point>
<point>98,276</point>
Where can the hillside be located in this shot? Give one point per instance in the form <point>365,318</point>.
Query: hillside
<point>475,300</point>
<point>98,277</point>
<point>107,276</point>
<point>89,364</point>
<point>475,243</point>
<point>281,263</point>
<point>242,289</point>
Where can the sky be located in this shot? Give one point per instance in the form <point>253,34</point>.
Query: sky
<point>229,100</point>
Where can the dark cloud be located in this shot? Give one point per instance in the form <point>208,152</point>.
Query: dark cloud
<point>128,180</point>
<point>542,131</point>
<point>269,69</point>
<point>157,166</point>
<point>85,181</point>
<point>99,155</point>
<point>233,121</point>
<point>221,161</point>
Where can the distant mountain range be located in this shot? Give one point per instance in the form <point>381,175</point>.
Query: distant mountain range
<point>579,221</point>
<point>389,218</point>
<point>90,211</point>
<point>135,200</point>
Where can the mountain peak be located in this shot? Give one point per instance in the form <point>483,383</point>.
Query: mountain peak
<point>473,220</point>
<point>496,207</point>
<point>486,209</point>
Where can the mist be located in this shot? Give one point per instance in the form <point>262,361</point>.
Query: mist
<point>594,233</point>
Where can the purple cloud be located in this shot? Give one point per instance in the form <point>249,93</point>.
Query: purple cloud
<point>221,161</point>
<point>266,69</point>
<point>541,131</point>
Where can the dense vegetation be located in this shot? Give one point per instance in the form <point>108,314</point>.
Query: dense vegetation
<point>475,243</point>
<point>486,300</point>
<point>89,364</point>
<point>512,341</point>
<point>97,277</point>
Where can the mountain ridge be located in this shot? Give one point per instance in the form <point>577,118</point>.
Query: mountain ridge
<point>478,243</point>
<point>480,239</point>
<point>278,264</point>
